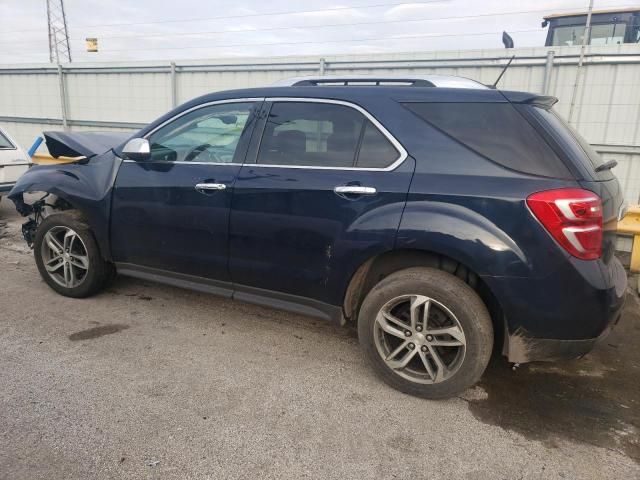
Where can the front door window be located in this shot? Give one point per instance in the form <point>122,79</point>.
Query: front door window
<point>210,134</point>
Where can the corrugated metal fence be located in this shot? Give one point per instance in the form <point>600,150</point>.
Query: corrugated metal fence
<point>124,96</point>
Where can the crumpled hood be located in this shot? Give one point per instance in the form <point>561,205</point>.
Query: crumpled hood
<point>83,144</point>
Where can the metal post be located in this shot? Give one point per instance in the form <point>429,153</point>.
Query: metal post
<point>52,41</point>
<point>174,87</point>
<point>546,86</point>
<point>585,39</point>
<point>63,98</point>
<point>322,66</point>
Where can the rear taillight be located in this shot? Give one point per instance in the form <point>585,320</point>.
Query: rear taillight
<point>573,217</point>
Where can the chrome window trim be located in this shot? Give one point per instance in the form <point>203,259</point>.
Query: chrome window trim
<point>180,162</point>
<point>403,154</point>
<point>397,145</point>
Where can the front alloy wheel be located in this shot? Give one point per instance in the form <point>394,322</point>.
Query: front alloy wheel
<point>68,257</point>
<point>65,257</point>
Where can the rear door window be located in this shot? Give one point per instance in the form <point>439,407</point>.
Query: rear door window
<point>317,134</point>
<point>496,131</point>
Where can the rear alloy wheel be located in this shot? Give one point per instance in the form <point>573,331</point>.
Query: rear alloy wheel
<point>420,339</point>
<point>68,257</point>
<point>426,332</point>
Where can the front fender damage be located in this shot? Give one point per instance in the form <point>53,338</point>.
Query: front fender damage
<point>36,211</point>
<point>85,185</point>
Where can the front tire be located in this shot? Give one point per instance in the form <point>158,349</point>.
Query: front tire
<point>68,257</point>
<point>426,332</point>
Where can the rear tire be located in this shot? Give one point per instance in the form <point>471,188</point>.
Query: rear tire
<point>438,358</point>
<point>68,257</point>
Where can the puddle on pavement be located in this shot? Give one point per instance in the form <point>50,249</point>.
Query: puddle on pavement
<point>96,332</point>
<point>595,400</point>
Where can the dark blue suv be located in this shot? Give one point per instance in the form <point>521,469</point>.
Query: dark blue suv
<point>441,217</point>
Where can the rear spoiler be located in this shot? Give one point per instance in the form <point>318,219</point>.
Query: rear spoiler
<point>82,144</point>
<point>544,101</point>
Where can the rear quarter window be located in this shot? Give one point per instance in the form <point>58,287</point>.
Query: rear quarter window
<point>496,131</point>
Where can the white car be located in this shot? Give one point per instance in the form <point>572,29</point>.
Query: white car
<point>14,161</point>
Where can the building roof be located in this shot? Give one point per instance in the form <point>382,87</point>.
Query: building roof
<point>595,12</point>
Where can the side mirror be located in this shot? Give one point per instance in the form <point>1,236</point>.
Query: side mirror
<point>137,149</point>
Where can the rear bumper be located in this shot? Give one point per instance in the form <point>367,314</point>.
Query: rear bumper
<point>563,315</point>
<point>520,348</point>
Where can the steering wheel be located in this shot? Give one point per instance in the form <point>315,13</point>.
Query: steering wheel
<point>199,150</point>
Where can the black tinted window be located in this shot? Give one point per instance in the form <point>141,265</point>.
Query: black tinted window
<point>376,150</point>
<point>496,131</point>
<point>580,149</point>
<point>313,134</point>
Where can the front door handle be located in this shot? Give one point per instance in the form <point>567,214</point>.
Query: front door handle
<point>208,187</point>
<point>354,190</point>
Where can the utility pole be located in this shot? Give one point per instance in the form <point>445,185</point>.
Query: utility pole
<point>59,49</point>
<point>585,38</point>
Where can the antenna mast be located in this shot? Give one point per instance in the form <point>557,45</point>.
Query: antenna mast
<point>59,49</point>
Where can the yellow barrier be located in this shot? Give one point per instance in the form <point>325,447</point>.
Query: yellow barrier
<point>630,225</point>
<point>42,159</point>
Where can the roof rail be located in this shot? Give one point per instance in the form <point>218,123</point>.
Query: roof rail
<point>413,82</point>
<point>441,81</point>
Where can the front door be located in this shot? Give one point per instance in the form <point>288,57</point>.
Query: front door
<point>171,212</point>
<point>325,193</point>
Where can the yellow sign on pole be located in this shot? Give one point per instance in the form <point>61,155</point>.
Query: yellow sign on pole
<point>92,44</point>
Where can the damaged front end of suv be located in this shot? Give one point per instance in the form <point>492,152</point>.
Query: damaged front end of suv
<point>84,184</point>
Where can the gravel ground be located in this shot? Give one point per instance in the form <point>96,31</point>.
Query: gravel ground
<point>148,381</point>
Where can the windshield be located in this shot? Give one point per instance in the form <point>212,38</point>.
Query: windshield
<point>601,34</point>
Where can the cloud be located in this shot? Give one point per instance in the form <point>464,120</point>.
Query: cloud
<point>182,23</point>
<point>412,10</point>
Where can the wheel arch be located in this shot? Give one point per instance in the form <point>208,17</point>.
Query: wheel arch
<point>68,191</point>
<point>374,269</point>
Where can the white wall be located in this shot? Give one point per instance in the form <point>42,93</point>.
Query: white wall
<point>607,110</point>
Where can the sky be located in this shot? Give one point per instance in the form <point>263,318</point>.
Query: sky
<point>198,29</point>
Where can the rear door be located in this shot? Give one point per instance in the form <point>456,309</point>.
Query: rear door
<point>325,192</point>
<point>171,212</point>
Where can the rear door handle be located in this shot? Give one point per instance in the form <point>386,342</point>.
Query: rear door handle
<point>354,190</point>
<point>208,187</point>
